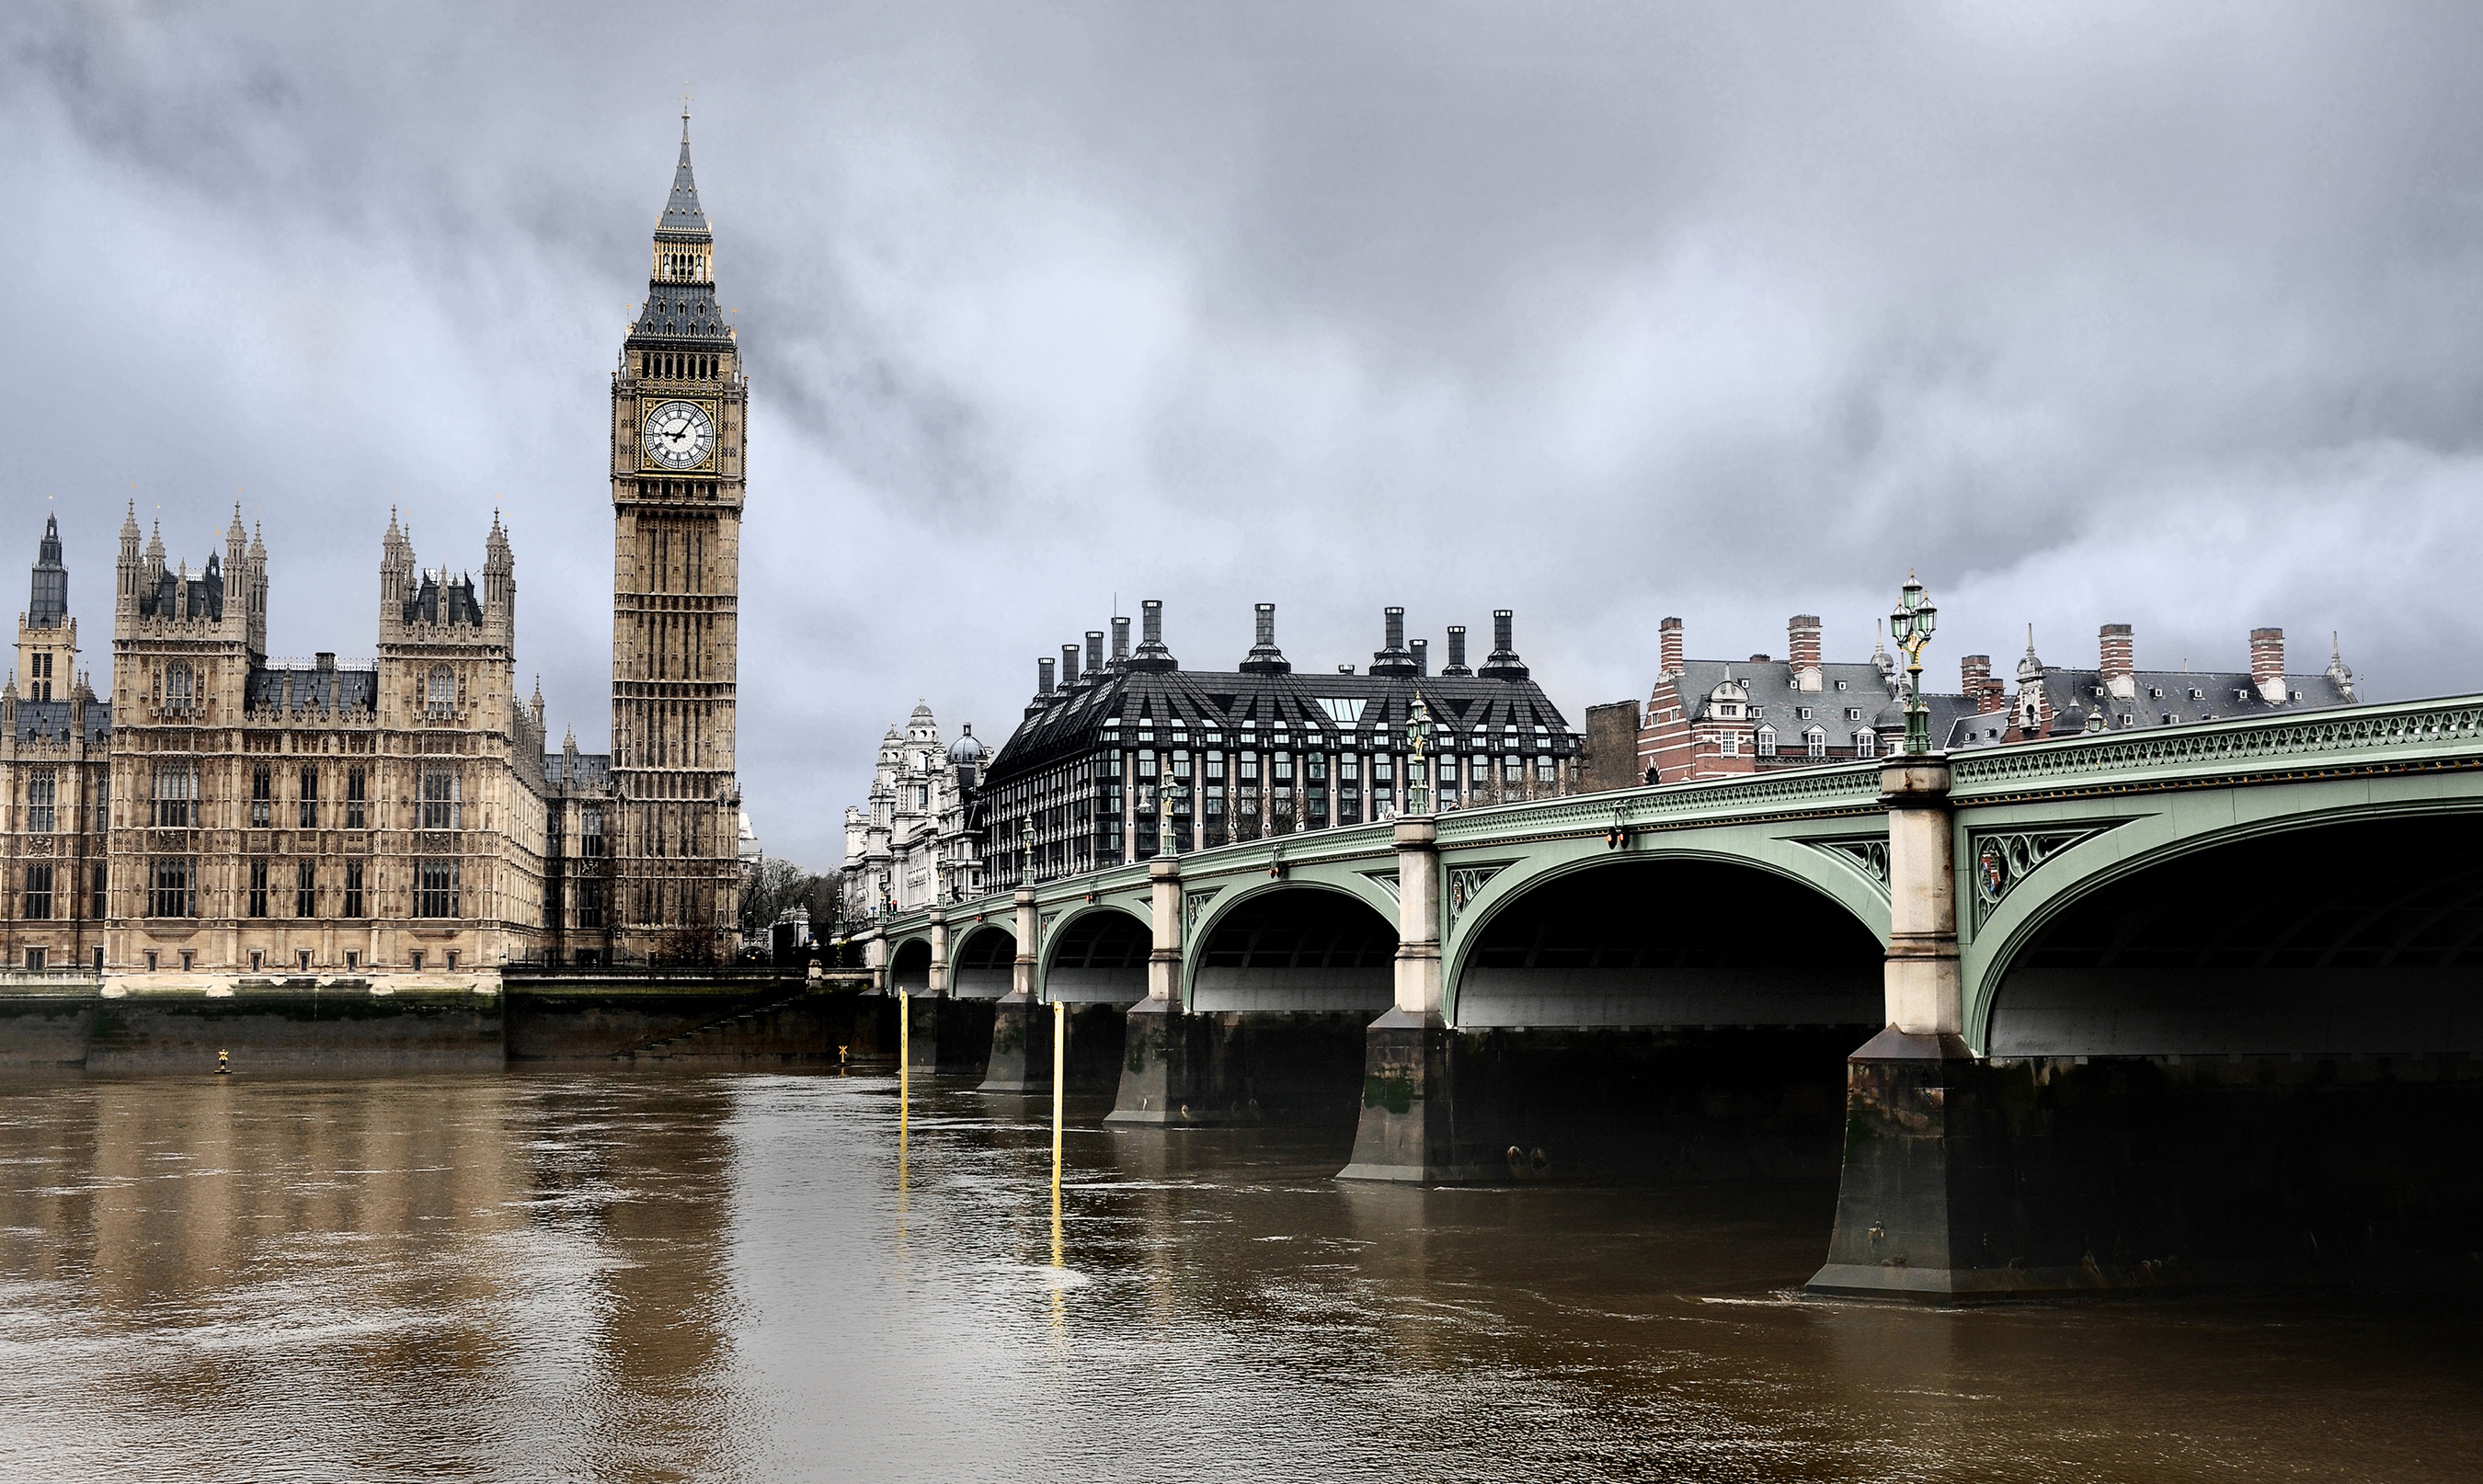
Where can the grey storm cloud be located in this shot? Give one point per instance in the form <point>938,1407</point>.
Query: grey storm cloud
<point>1600,312</point>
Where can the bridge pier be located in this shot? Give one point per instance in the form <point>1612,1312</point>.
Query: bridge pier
<point>1167,1054</point>
<point>1406,1133</point>
<point>1924,1158</point>
<point>1020,1059</point>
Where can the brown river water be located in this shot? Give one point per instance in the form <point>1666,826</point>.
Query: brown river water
<point>778,1278</point>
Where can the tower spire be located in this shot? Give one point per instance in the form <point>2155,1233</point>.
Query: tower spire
<point>682,214</point>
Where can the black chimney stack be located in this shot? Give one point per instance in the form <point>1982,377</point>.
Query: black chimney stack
<point>1120,642</point>
<point>1504,663</point>
<point>1422,649</point>
<point>1094,655</point>
<point>1264,658</point>
<point>1456,665</point>
<point>1043,676</point>
<point>1152,654</point>
<point>1395,659</point>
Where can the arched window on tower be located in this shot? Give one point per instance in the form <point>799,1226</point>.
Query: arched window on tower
<point>177,694</point>
<point>442,698</point>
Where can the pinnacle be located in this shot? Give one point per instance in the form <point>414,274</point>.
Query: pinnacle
<point>681,213</point>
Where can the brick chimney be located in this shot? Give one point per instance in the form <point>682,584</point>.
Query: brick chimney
<point>2268,663</point>
<point>2118,666</point>
<point>1974,675</point>
<point>1668,637</point>
<point>1802,650</point>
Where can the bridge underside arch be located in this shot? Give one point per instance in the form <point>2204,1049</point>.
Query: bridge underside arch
<point>1671,943</point>
<point>909,967</point>
<point>1099,957</point>
<point>1298,951</point>
<point>985,961</point>
<point>2352,939</point>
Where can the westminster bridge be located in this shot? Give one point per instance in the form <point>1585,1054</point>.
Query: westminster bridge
<point>2131,1011</point>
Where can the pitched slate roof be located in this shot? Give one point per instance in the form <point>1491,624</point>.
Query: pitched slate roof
<point>1868,699</point>
<point>308,688</point>
<point>48,721</point>
<point>592,769</point>
<point>1335,709</point>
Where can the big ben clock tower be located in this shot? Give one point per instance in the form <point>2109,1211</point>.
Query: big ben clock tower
<point>680,408</point>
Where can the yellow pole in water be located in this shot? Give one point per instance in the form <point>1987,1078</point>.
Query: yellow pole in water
<point>1059,1088</point>
<point>904,1096</point>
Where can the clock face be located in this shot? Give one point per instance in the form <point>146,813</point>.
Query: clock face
<point>679,434</point>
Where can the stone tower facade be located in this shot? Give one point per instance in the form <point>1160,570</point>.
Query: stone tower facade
<point>678,418</point>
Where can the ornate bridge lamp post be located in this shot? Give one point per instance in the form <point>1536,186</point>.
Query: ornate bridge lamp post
<point>1418,737</point>
<point>1909,625</point>
<point>1167,798</point>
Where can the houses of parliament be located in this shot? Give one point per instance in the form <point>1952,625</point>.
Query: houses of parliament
<point>217,814</point>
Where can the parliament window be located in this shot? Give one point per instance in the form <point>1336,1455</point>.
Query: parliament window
<point>356,791</point>
<point>259,889</point>
<point>590,831</point>
<point>441,791</point>
<point>171,888</point>
<point>443,692</point>
<point>40,796</point>
<point>309,798</point>
<point>435,889</point>
<point>177,687</point>
<point>38,893</point>
<point>353,894</point>
<point>590,904</point>
<point>305,888</point>
<point>176,800</point>
<point>262,789</point>
<point>102,897</point>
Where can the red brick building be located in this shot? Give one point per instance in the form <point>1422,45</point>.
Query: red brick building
<point>1724,717</point>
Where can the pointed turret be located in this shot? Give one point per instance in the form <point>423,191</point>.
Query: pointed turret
<point>50,602</point>
<point>2030,669</point>
<point>2339,675</point>
<point>127,570</point>
<point>500,578</point>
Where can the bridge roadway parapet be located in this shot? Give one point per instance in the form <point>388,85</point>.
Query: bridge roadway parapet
<point>2034,941</point>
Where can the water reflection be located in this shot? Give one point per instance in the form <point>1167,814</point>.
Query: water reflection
<point>891,1277</point>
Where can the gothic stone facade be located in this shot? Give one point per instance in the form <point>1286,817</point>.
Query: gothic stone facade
<point>680,425</point>
<point>222,814</point>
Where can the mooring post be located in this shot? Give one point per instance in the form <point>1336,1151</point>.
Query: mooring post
<point>1910,1214</point>
<point>1157,1067</point>
<point>1406,1133</point>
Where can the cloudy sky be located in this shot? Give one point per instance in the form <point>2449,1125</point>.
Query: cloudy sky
<point>2087,314</point>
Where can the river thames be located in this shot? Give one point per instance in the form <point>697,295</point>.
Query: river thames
<point>763,1277</point>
